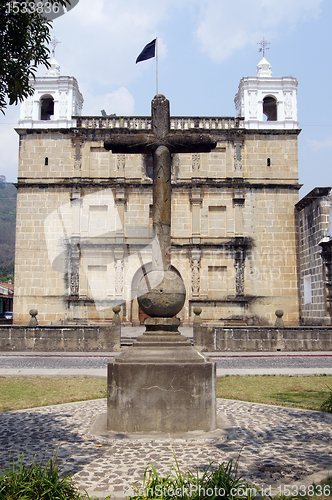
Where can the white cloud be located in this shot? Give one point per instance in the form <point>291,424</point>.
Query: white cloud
<point>101,39</point>
<point>226,27</point>
<point>120,102</point>
<point>324,144</point>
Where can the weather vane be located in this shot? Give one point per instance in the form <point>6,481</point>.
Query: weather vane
<point>54,43</point>
<point>264,46</point>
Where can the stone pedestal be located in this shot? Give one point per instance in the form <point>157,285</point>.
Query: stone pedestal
<point>161,384</point>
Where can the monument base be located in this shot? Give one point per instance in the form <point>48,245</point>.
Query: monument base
<point>161,384</point>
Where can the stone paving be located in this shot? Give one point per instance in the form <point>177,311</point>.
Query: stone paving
<point>276,445</point>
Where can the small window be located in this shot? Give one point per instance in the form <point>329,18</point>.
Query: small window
<point>270,108</point>
<point>46,160</point>
<point>149,166</point>
<point>46,107</point>
<point>268,162</point>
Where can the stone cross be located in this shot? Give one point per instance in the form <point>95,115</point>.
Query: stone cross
<point>161,143</point>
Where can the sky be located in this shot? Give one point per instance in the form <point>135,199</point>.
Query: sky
<point>205,48</point>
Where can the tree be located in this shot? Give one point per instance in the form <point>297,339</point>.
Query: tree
<point>24,35</point>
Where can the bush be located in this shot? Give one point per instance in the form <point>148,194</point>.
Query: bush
<point>37,482</point>
<point>327,404</point>
<point>216,483</point>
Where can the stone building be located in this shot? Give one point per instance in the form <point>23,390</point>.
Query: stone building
<point>84,226</point>
<point>314,220</point>
<point>6,297</point>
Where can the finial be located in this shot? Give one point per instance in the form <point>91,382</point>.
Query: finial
<point>54,43</point>
<point>264,46</point>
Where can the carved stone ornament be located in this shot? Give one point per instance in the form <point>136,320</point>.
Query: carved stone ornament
<point>63,105</point>
<point>118,277</point>
<point>120,162</point>
<point>74,283</point>
<point>28,107</point>
<point>253,105</point>
<point>195,275</point>
<point>288,105</point>
<point>239,264</point>
<point>237,156</point>
<point>196,161</point>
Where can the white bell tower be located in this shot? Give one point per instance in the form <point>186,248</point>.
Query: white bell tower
<point>266,101</point>
<point>56,100</point>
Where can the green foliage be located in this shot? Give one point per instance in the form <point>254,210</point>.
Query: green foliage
<point>221,482</point>
<point>24,36</point>
<point>327,403</point>
<point>7,272</point>
<point>36,482</point>
<point>8,196</point>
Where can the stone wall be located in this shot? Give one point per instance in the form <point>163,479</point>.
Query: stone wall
<point>313,220</point>
<point>60,338</point>
<point>84,224</point>
<point>263,338</point>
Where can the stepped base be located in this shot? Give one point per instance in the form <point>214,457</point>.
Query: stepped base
<point>161,384</point>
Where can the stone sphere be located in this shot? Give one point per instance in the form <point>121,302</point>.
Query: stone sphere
<point>161,294</point>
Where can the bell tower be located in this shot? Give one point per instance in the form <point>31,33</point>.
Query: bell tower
<point>55,102</point>
<point>266,101</point>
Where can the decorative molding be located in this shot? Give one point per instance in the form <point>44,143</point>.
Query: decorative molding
<point>78,141</point>
<point>237,157</point>
<point>195,264</point>
<point>119,268</point>
<point>28,107</point>
<point>253,104</point>
<point>196,196</point>
<point>175,167</point>
<point>120,162</point>
<point>239,276</point>
<point>195,163</point>
<point>63,104</point>
<point>288,106</point>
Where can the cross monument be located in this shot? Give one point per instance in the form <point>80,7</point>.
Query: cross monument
<point>161,143</point>
<point>161,384</point>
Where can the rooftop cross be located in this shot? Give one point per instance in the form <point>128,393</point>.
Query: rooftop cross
<point>54,43</point>
<point>161,142</point>
<point>264,46</point>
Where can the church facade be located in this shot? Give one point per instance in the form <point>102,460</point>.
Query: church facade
<point>84,215</point>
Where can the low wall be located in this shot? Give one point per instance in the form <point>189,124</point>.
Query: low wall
<point>211,338</point>
<point>255,338</point>
<point>60,338</point>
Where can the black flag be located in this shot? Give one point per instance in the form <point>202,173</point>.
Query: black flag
<point>148,51</point>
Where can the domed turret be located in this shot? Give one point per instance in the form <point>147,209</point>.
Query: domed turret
<point>266,101</point>
<point>55,102</point>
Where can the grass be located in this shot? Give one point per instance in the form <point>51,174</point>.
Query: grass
<point>18,393</point>
<point>296,392</point>
<point>219,481</point>
<point>37,482</point>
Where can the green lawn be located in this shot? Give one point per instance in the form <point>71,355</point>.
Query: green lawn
<point>18,393</point>
<point>298,392</point>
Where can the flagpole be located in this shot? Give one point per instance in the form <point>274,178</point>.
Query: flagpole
<point>156,66</point>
